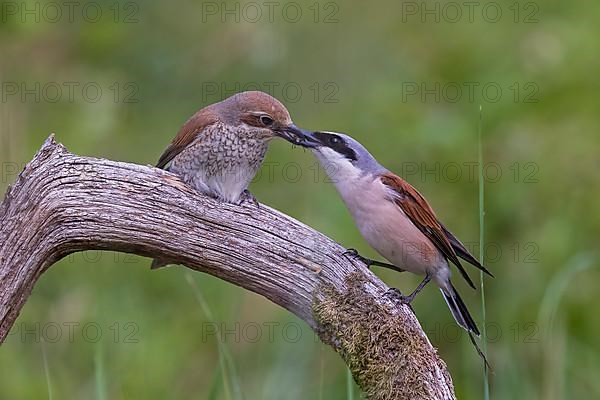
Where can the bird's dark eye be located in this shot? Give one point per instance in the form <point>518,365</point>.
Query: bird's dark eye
<point>266,120</point>
<point>335,140</point>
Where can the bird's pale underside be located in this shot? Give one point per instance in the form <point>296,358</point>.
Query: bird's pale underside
<point>394,218</point>
<point>222,161</point>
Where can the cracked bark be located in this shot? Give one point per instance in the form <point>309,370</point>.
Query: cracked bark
<point>62,203</point>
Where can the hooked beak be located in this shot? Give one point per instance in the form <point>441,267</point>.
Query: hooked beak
<point>298,136</point>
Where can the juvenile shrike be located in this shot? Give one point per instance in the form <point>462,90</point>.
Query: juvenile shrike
<point>221,147</point>
<point>394,218</point>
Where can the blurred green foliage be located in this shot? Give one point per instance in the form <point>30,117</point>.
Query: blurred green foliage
<point>404,78</point>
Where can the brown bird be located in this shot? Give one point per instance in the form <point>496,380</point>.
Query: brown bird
<point>220,148</point>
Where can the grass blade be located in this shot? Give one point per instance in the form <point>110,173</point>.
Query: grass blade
<point>213,393</point>
<point>555,340</point>
<point>46,370</point>
<point>231,385</point>
<point>486,383</point>
<point>99,374</point>
<point>349,385</point>
<point>321,372</point>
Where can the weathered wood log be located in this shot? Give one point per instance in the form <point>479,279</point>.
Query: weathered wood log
<point>62,203</point>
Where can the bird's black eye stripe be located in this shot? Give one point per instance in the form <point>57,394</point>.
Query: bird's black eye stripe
<point>266,120</point>
<point>336,143</point>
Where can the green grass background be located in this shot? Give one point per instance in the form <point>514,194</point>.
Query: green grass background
<point>542,215</point>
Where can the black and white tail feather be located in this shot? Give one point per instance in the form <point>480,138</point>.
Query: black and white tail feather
<point>463,318</point>
<point>459,309</point>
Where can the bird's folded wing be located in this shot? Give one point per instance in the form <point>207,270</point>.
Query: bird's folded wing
<point>462,251</point>
<point>186,135</point>
<point>423,217</point>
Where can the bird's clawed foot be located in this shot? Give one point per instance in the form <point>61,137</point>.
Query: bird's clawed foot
<point>248,197</point>
<point>396,296</point>
<point>353,254</point>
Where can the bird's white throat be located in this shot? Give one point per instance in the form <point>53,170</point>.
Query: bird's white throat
<point>336,166</point>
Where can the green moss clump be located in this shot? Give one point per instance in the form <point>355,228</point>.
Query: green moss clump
<point>387,354</point>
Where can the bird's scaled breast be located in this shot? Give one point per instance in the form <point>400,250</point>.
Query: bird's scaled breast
<point>221,161</point>
<point>388,230</point>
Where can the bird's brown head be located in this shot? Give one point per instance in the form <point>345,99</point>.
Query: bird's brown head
<point>260,112</point>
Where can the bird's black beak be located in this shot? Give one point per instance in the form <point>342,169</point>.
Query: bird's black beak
<point>298,136</point>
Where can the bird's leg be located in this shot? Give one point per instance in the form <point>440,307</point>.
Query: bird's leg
<point>353,253</point>
<point>248,197</point>
<point>408,299</point>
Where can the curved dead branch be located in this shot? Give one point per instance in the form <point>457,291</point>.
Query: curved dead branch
<point>62,203</point>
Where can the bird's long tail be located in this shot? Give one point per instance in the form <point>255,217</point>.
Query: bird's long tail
<point>459,309</point>
<point>463,318</point>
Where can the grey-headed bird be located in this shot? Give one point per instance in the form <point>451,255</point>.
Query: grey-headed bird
<point>394,218</point>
